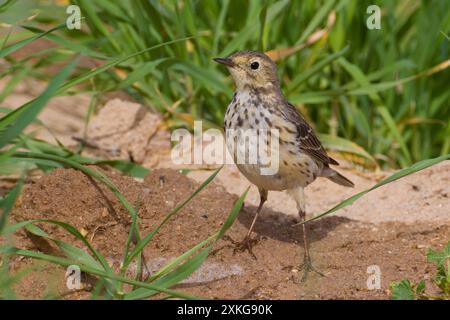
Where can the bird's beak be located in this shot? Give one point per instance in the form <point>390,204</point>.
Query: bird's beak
<point>225,61</point>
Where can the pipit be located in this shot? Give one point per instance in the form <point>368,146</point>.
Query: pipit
<point>258,104</point>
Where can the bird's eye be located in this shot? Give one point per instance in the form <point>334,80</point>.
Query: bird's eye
<point>254,65</point>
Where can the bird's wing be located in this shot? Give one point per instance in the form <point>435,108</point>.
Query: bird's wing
<point>308,141</point>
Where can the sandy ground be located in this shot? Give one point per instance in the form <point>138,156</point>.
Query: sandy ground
<point>342,248</point>
<point>391,227</point>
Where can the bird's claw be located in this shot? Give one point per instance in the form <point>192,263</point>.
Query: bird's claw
<point>308,267</point>
<point>245,245</point>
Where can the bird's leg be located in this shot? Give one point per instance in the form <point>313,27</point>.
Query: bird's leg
<point>307,266</point>
<point>247,243</point>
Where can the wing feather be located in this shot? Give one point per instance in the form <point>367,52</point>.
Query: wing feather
<point>308,141</point>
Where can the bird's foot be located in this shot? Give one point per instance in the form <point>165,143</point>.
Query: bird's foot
<point>308,267</point>
<point>245,245</point>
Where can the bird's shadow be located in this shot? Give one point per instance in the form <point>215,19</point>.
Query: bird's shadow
<point>284,229</point>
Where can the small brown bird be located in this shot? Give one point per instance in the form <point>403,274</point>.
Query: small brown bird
<point>258,104</point>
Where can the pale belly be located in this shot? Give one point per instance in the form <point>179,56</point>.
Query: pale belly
<point>277,169</point>
<point>281,168</point>
<point>285,178</point>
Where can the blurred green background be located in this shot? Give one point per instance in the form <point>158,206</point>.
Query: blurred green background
<point>380,97</point>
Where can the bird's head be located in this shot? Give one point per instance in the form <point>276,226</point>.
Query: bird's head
<point>252,70</point>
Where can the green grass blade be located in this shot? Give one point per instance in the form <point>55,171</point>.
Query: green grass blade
<point>316,68</point>
<point>129,168</point>
<point>95,23</point>
<point>173,272</point>
<point>390,122</point>
<point>140,73</point>
<point>346,146</point>
<point>90,172</point>
<point>182,272</point>
<point>109,65</point>
<point>38,146</point>
<point>16,46</point>
<point>220,26</point>
<point>383,86</point>
<point>320,16</point>
<point>97,175</point>
<point>5,5</point>
<point>7,203</point>
<point>69,228</point>
<point>67,262</point>
<point>32,109</point>
<point>142,243</point>
<point>218,235</point>
<point>72,252</point>
<point>16,79</point>
<point>398,175</point>
<point>68,45</point>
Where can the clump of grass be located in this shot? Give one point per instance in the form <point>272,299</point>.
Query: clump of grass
<point>94,263</point>
<point>406,290</point>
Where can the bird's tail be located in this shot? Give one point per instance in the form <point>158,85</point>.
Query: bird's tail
<point>336,177</point>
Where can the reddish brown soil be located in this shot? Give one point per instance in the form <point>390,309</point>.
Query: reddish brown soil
<point>342,248</point>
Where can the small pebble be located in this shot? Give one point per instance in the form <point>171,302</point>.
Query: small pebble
<point>83,232</point>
